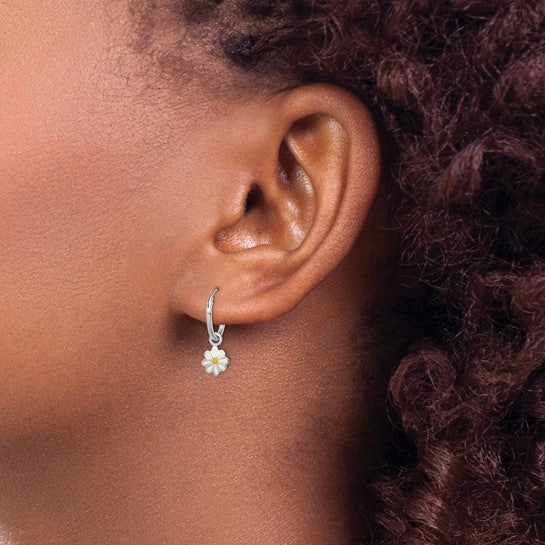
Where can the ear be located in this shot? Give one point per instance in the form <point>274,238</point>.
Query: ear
<point>307,164</point>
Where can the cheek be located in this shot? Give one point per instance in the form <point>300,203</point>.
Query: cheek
<point>72,266</point>
<point>84,265</point>
<point>93,232</point>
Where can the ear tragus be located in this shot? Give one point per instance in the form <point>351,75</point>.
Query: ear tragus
<point>277,211</point>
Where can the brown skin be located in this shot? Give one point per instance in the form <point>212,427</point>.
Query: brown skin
<point>121,211</point>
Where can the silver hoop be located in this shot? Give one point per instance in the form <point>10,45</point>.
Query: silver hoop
<point>215,337</point>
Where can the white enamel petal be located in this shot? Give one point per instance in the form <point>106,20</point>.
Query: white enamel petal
<point>208,354</point>
<point>221,366</point>
<point>221,353</point>
<point>209,369</point>
<point>215,370</point>
<point>206,362</point>
<point>224,360</point>
<point>214,351</point>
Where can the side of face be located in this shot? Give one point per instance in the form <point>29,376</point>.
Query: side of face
<point>122,209</point>
<point>95,179</point>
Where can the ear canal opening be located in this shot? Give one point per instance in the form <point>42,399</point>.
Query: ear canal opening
<point>254,196</point>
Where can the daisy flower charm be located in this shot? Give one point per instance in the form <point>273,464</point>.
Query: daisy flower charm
<point>215,361</point>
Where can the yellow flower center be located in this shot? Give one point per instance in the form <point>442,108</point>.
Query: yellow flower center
<point>214,360</point>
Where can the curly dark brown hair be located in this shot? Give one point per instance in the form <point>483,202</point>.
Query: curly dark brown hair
<point>457,89</point>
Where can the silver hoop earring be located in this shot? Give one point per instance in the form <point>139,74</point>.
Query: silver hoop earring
<point>215,361</point>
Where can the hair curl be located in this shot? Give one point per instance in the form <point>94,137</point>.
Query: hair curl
<point>458,90</point>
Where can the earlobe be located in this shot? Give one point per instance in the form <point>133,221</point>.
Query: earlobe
<point>315,176</point>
